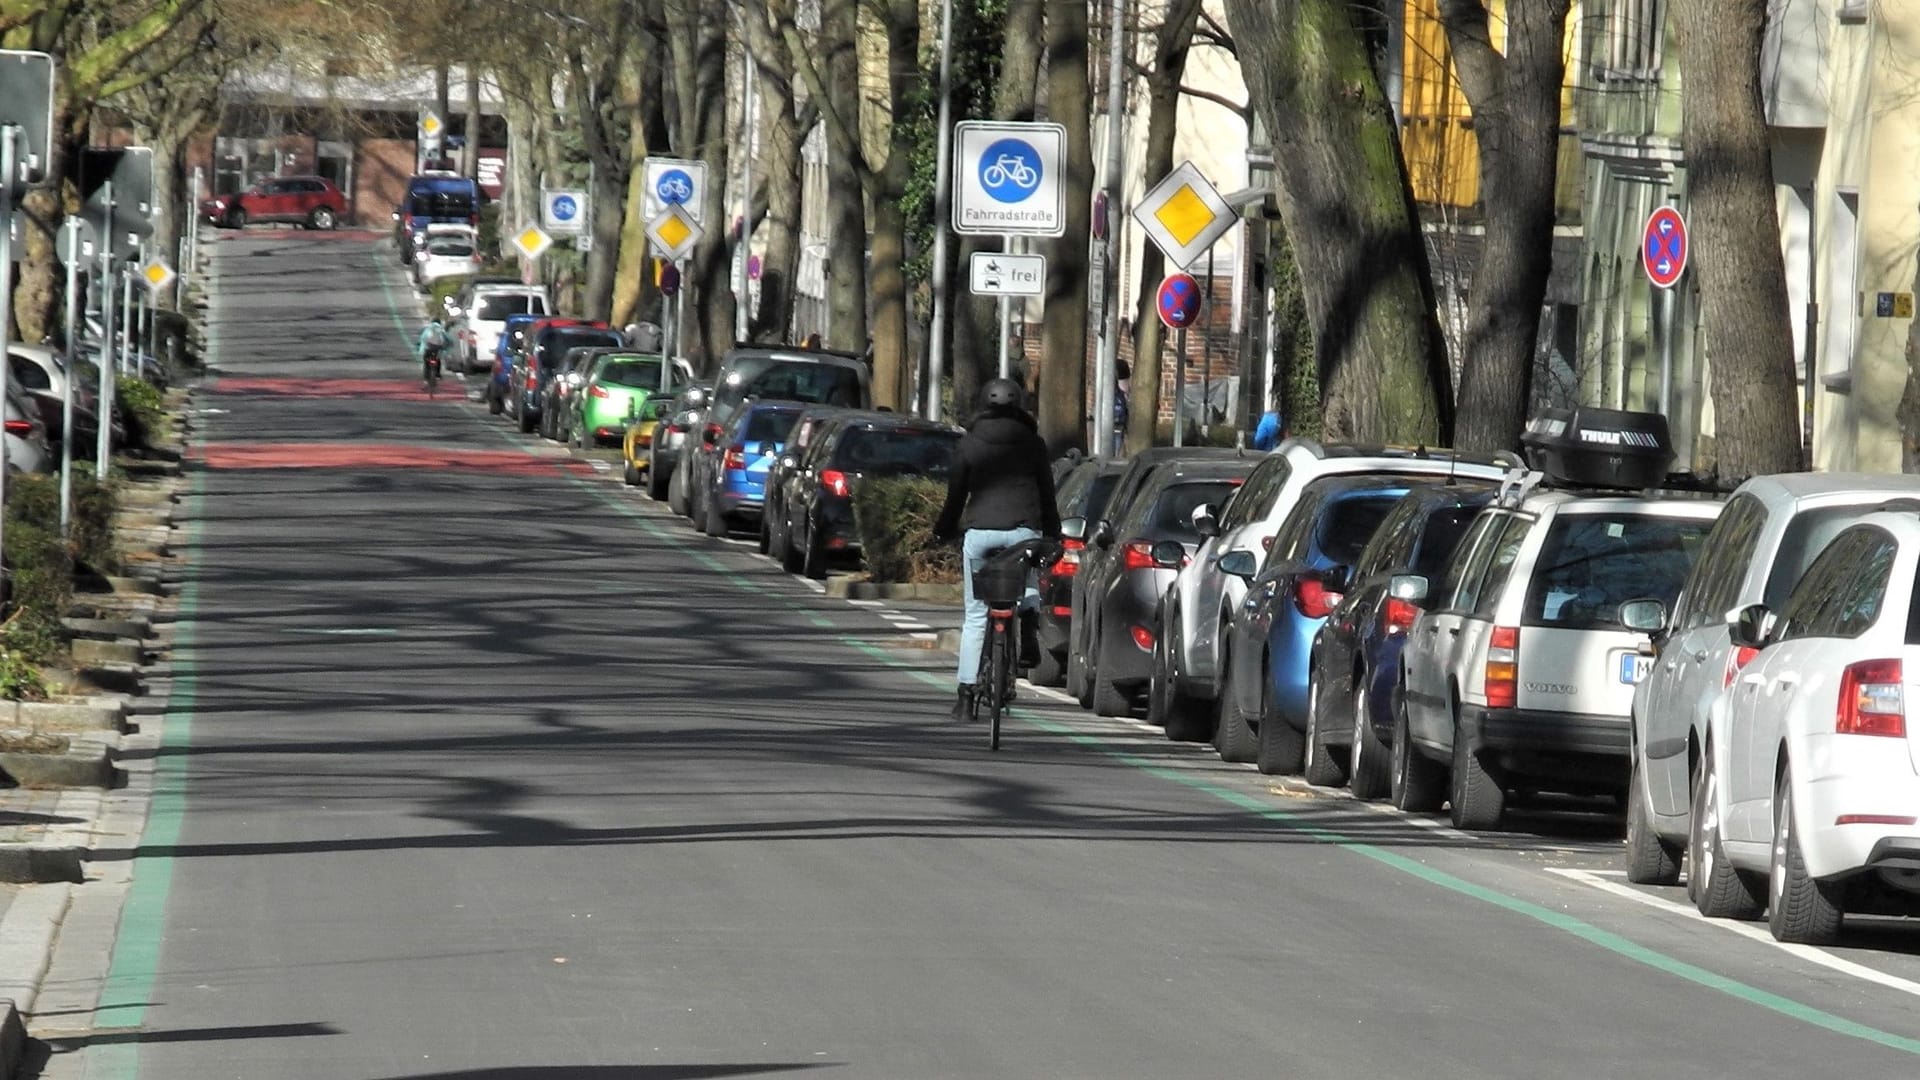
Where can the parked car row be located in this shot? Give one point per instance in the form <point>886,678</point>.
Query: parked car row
<point>572,380</point>
<point>1465,633</point>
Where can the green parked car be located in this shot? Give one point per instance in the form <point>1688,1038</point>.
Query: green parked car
<point>616,386</point>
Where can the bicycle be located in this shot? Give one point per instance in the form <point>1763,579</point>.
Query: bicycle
<point>1010,168</point>
<point>432,373</point>
<point>1001,583</point>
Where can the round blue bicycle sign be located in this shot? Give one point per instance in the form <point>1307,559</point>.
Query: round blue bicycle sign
<point>674,187</point>
<point>564,208</point>
<point>1010,170</point>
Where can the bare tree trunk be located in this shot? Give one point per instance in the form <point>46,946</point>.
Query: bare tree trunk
<point>1908,413</point>
<point>634,297</point>
<point>1730,196</point>
<point>1349,213</point>
<point>1172,41</point>
<point>1516,118</point>
<point>886,272</point>
<point>1063,340</point>
<point>40,279</point>
<point>470,158</point>
<point>442,104</point>
<point>846,203</point>
<point>780,176</point>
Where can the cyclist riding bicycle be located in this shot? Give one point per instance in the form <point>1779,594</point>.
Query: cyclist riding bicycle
<point>433,340</point>
<point>1001,490</point>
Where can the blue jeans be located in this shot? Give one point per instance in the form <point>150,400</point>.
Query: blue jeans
<point>979,543</point>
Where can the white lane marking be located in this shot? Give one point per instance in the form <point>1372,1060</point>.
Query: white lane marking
<point>911,626</point>
<point>1810,953</point>
<point>816,586</point>
<point>865,603</point>
<point>926,637</point>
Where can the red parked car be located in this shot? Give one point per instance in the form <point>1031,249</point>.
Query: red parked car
<point>312,201</point>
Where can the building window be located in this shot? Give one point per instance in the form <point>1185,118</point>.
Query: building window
<point>1842,314</point>
<point>1634,31</point>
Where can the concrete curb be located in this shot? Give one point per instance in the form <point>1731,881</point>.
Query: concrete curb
<point>850,589</point>
<point>27,933</point>
<point>89,652</point>
<point>101,629</point>
<point>93,714</point>
<point>86,763</point>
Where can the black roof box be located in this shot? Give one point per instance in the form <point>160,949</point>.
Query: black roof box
<point>1594,447</point>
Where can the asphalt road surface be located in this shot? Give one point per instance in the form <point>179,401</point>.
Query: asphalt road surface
<point>485,767</point>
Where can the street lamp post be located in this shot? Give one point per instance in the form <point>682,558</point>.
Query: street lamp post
<point>1109,354</point>
<point>942,209</point>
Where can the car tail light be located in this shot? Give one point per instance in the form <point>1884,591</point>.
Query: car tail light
<point>1137,555</point>
<point>711,431</point>
<point>1503,667</point>
<point>1068,564</point>
<point>22,428</point>
<point>676,429</point>
<point>1063,611</point>
<point>1737,658</point>
<point>1873,819</point>
<point>1143,637</point>
<point>1398,616</point>
<point>834,482</point>
<point>734,458</point>
<point>1314,599</point>
<point>1872,701</point>
<point>599,391</point>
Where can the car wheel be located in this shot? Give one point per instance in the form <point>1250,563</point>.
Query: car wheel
<point>1157,677</point>
<point>1319,765</point>
<point>765,540</point>
<point>1717,889</point>
<point>676,494</point>
<point>1367,765</point>
<point>495,406</point>
<point>713,522</point>
<point>1076,670</point>
<point>1089,670</point>
<point>1477,798</point>
<point>1232,737</point>
<point>633,475</point>
<point>1418,781</point>
<point>790,560</point>
<point>1800,910</point>
<point>1108,699</point>
<point>1050,671</point>
<point>322,218</point>
<point>813,559</point>
<point>526,420</point>
<point>1650,859</point>
<point>236,218</point>
<point>656,483</point>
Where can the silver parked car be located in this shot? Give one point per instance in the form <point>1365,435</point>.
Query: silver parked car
<point>1769,534</point>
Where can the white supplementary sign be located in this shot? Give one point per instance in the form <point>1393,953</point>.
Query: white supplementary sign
<point>678,182</point>
<point>1006,178</point>
<point>563,212</point>
<point>994,273</point>
<point>1184,214</point>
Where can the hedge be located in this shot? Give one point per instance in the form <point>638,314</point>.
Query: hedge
<point>894,517</point>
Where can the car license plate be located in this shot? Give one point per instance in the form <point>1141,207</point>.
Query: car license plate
<point>1634,667</point>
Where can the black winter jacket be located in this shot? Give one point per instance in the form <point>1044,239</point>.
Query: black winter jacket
<point>1001,478</point>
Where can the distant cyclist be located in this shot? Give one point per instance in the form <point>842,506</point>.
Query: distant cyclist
<point>1001,491</point>
<point>434,340</point>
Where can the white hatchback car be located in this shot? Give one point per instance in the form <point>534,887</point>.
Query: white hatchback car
<point>1808,803</point>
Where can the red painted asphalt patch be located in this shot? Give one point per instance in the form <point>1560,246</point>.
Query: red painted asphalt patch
<point>321,455</point>
<point>362,389</point>
<point>296,233</point>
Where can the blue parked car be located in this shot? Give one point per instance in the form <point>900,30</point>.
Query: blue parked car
<point>1263,706</point>
<point>1356,657</point>
<point>513,339</point>
<point>741,454</point>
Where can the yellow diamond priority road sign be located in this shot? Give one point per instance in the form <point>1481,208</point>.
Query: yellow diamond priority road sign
<point>431,125</point>
<point>532,241</point>
<point>158,275</point>
<point>674,233</point>
<point>1184,214</point>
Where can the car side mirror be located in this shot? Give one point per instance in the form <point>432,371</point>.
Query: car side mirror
<point>1169,554</point>
<point>1103,535</point>
<point>1646,615</point>
<point>1206,521</point>
<point>1240,564</point>
<point>1073,528</point>
<point>1750,626</point>
<point>1411,588</point>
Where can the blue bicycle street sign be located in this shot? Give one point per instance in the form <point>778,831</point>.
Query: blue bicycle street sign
<point>1010,170</point>
<point>675,187</point>
<point>564,208</point>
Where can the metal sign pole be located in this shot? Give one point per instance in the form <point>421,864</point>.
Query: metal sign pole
<point>8,172</point>
<point>1206,358</point>
<point>104,289</point>
<point>1107,358</point>
<point>942,211</point>
<point>1006,316</point>
<point>1666,351</point>
<point>72,225</point>
<point>749,76</point>
<point>1180,386</point>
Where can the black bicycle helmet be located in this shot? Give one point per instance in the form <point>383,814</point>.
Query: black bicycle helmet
<point>1000,393</point>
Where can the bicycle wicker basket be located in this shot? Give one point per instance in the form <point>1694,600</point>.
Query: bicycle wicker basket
<point>1000,581</point>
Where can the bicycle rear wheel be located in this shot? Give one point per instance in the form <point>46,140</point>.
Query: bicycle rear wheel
<point>998,675</point>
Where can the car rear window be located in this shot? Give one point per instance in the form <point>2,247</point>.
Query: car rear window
<point>1172,514</point>
<point>1807,535</point>
<point>789,380</point>
<point>555,343</point>
<point>897,450</point>
<point>1098,493</point>
<point>497,306</point>
<point>1444,530</point>
<point>439,204</point>
<point>769,425</point>
<point>637,374</point>
<point>451,247</point>
<point>1349,523</point>
<point>1590,564</point>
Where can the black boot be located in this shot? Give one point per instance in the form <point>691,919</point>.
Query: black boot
<point>963,705</point>
<point>1029,639</point>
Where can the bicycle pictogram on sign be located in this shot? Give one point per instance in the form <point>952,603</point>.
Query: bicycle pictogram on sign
<point>1010,170</point>
<point>674,188</point>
